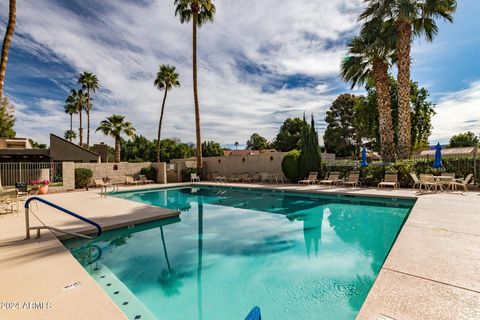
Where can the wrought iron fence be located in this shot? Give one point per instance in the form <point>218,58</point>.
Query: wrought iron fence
<point>10,173</point>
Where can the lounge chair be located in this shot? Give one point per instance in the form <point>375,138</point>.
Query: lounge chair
<point>461,182</point>
<point>194,177</point>
<point>144,180</point>
<point>250,178</point>
<point>333,179</point>
<point>416,181</point>
<point>218,178</point>
<point>353,179</point>
<point>235,178</point>
<point>390,180</point>
<point>130,181</point>
<point>264,177</point>
<point>98,183</point>
<point>311,179</point>
<point>428,182</point>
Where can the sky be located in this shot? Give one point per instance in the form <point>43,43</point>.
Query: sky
<point>259,63</point>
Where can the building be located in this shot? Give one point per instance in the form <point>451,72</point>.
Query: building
<point>463,151</point>
<point>21,150</point>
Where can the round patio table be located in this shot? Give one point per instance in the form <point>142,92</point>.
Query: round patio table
<point>443,181</point>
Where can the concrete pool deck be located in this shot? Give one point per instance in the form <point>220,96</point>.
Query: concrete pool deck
<point>430,273</point>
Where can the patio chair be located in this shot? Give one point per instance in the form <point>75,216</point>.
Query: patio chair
<point>144,180</point>
<point>264,177</point>
<point>390,180</point>
<point>333,179</point>
<point>130,181</point>
<point>353,179</point>
<point>194,177</point>
<point>311,179</point>
<point>218,178</point>
<point>416,181</point>
<point>234,178</point>
<point>428,182</point>
<point>250,178</point>
<point>98,183</point>
<point>9,201</point>
<point>461,182</point>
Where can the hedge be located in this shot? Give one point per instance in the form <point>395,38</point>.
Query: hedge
<point>291,166</point>
<point>83,177</point>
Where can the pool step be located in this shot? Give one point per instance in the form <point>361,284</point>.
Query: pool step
<point>119,293</point>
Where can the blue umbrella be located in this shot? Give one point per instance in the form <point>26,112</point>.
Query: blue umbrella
<point>254,314</point>
<point>438,157</point>
<point>364,157</point>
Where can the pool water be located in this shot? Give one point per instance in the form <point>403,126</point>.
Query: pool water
<point>296,256</point>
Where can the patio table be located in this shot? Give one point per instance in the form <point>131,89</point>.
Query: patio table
<point>276,177</point>
<point>103,189</point>
<point>443,181</point>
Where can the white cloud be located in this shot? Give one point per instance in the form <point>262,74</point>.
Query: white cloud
<point>457,112</point>
<point>125,43</point>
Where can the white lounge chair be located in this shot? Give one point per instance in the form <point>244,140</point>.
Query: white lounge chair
<point>130,181</point>
<point>461,183</point>
<point>144,180</point>
<point>194,177</point>
<point>390,180</point>
<point>353,179</point>
<point>311,179</point>
<point>333,179</point>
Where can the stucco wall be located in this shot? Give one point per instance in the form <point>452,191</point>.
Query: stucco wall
<point>115,171</point>
<point>68,175</point>
<point>228,166</point>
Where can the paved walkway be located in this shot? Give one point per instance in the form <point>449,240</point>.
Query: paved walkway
<point>432,271</point>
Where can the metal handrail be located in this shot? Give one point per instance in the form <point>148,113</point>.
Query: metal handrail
<point>53,205</point>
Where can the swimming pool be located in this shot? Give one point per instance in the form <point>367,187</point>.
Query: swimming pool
<point>296,256</point>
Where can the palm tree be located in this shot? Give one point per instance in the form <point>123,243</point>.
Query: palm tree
<point>165,80</point>
<point>70,109</point>
<point>70,135</point>
<point>89,82</point>
<point>411,18</point>
<point>199,11</point>
<point>12,19</point>
<point>236,145</point>
<point>369,56</point>
<point>78,99</point>
<point>114,126</point>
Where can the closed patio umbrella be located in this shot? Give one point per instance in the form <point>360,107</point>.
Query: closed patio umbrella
<point>364,157</point>
<point>437,163</point>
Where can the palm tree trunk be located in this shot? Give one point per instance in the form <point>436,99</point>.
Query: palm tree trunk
<point>80,130</point>
<point>12,18</point>
<point>160,124</point>
<point>195,93</point>
<point>117,149</point>
<point>404,30</point>
<point>88,117</point>
<point>71,121</point>
<point>380,75</point>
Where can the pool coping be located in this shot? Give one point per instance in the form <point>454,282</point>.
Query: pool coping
<point>403,306</point>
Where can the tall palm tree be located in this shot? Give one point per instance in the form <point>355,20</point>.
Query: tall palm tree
<point>236,145</point>
<point>78,99</point>
<point>89,83</point>
<point>165,80</point>
<point>369,56</point>
<point>411,18</point>
<point>70,135</point>
<point>70,109</point>
<point>12,19</point>
<point>199,12</point>
<point>115,126</point>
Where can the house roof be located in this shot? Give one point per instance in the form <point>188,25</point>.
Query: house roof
<point>450,151</point>
<point>73,144</point>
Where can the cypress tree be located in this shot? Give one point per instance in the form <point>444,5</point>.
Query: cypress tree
<point>310,151</point>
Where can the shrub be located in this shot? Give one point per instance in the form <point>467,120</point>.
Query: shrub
<point>186,174</point>
<point>150,173</point>
<point>291,166</point>
<point>82,177</point>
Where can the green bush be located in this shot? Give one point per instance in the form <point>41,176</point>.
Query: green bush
<point>150,173</point>
<point>83,177</point>
<point>186,174</point>
<point>291,166</point>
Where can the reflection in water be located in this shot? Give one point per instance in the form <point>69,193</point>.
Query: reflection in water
<point>200,258</point>
<point>169,279</point>
<point>235,249</point>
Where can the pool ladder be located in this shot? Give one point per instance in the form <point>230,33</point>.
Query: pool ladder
<point>53,205</point>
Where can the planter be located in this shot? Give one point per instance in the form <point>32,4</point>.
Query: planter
<point>43,189</point>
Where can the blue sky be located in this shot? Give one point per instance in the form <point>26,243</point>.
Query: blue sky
<point>260,62</point>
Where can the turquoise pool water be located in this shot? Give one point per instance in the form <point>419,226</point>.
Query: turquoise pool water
<point>296,256</point>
